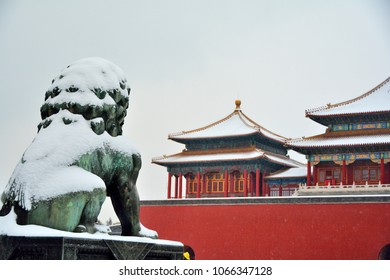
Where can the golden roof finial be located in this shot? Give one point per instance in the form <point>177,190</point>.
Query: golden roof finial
<point>238,104</point>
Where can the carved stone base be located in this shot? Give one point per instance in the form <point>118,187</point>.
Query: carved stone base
<point>67,248</point>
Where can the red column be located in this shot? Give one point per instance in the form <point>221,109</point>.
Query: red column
<point>180,185</point>
<point>226,184</point>
<point>383,171</point>
<point>250,184</point>
<point>198,183</point>
<point>187,176</point>
<point>245,183</point>
<point>257,182</point>
<point>231,185</point>
<point>204,178</point>
<point>169,185</point>
<point>344,173</point>
<point>280,190</point>
<point>265,189</point>
<point>176,186</point>
<point>308,177</point>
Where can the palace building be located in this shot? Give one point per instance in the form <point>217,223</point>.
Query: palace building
<point>228,158</point>
<point>236,157</point>
<point>244,198</point>
<point>355,149</point>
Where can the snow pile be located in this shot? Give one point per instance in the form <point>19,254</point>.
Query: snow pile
<point>45,170</point>
<point>80,81</point>
<point>9,227</point>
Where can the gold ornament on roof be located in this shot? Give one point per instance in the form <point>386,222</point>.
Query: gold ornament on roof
<point>238,103</point>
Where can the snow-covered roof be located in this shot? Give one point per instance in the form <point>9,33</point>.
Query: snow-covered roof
<point>224,155</point>
<point>325,141</point>
<point>235,124</point>
<point>374,101</point>
<point>289,173</point>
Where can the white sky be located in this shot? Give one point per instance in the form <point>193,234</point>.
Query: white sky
<point>187,61</point>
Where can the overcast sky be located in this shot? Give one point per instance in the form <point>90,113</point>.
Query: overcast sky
<point>187,61</point>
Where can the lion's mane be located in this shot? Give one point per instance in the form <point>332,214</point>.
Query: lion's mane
<point>101,93</point>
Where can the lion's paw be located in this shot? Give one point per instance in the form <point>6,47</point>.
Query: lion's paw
<point>145,232</point>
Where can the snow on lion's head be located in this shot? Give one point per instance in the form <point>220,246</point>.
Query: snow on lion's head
<point>92,87</point>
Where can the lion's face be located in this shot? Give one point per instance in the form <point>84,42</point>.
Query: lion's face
<point>94,88</point>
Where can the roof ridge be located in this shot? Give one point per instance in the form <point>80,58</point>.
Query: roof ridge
<point>202,128</point>
<point>165,157</point>
<point>248,123</point>
<point>263,128</point>
<point>364,95</point>
<point>303,138</point>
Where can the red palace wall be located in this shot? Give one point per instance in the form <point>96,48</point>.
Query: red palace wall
<point>280,228</point>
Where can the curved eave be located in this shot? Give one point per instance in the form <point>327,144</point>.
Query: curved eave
<point>340,145</point>
<point>185,140</point>
<point>178,162</point>
<point>169,161</point>
<point>259,134</point>
<point>350,117</point>
<point>365,147</point>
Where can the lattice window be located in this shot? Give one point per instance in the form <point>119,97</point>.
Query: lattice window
<point>239,182</point>
<point>329,175</point>
<point>192,184</point>
<point>369,174</point>
<point>215,182</point>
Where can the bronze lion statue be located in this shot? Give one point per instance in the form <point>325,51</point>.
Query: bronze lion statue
<point>79,155</point>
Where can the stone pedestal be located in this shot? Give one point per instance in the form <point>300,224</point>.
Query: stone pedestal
<point>68,248</point>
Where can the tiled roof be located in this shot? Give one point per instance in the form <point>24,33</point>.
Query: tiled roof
<point>235,124</point>
<point>325,141</point>
<point>225,155</point>
<point>289,173</point>
<point>374,101</point>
